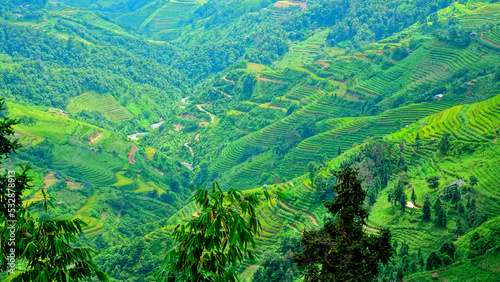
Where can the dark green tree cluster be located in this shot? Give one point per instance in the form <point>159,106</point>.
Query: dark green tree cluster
<point>468,215</point>
<point>365,22</point>
<point>440,213</point>
<point>433,181</point>
<point>341,250</point>
<point>278,265</point>
<point>444,257</point>
<point>398,195</point>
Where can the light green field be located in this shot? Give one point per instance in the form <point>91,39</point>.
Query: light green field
<point>150,152</point>
<point>254,66</point>
<point>105,104</point>
<point>91,201</point>
<point>303,52</point>
<point>46,125</point>
<point>235,113</point>
<point>122,180</point>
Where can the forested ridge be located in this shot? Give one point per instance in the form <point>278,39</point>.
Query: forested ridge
<point>129,110</point>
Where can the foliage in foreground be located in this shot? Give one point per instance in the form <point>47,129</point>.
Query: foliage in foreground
<point>46,246</point>
<point>341,250</point>
<point>211,245</point>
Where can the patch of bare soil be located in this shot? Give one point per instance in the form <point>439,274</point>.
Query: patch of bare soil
<point>95,137</point>
<point>361,56</point>
<point>49,180</point>
<point>178,127</point>
<point>131,153</point>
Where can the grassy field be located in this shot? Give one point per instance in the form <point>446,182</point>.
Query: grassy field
<point>254,66</point>
<point>150,152</point>
<point>122,180</point>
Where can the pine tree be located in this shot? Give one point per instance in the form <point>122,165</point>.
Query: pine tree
<point>312,172</point>
<point>404,249</point>
<point>398,193</point>
<point>323,255</point>
<point>472,180</point>
<point>418,141</point>
<point>395,247</point>
<point>420,259</point>
<point>459,226</point>
<point>444,144</point>
<point>455,196</point>
<point>441,220</point>
<point>339,152</point>
<point>413,196</point>
<point>426,211</point>
<point>433,262</point>
<point>402,164</point>
<point>399,274</point>
<point>437,206</point>
<point>402,202</point>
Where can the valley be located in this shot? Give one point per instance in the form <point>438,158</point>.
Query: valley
<point>123,106</point>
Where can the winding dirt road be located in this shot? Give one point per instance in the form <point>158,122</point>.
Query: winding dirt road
<point>212,116</point>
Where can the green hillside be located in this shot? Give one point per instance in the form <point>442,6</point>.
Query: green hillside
<point>302,208</point>
<point>125,105</point>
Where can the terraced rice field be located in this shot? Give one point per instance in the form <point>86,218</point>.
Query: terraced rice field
<point>46,125</point>
<point>277,76</point>
<point>493,36</point>
<point>342,69</point>
<point>92,18</point>
<point>145,187</point>
<point>386,82</point>
<point>303,52</point>
<point>94,226</point>
<point>432,64</point>
<point>472,123</point>
<point>483,14</point>
<point>150,152</point>
<point>81,164</point>
<point>414,112</point>
<point>169,15</point>
<point>254,66</point>
<point>304,93</point>
<point>347,132</point>
<point>105,104</point>
<point>442,62</point>
<point>230,155</point>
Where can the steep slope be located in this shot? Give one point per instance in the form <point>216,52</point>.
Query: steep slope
<point>302,208</point>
